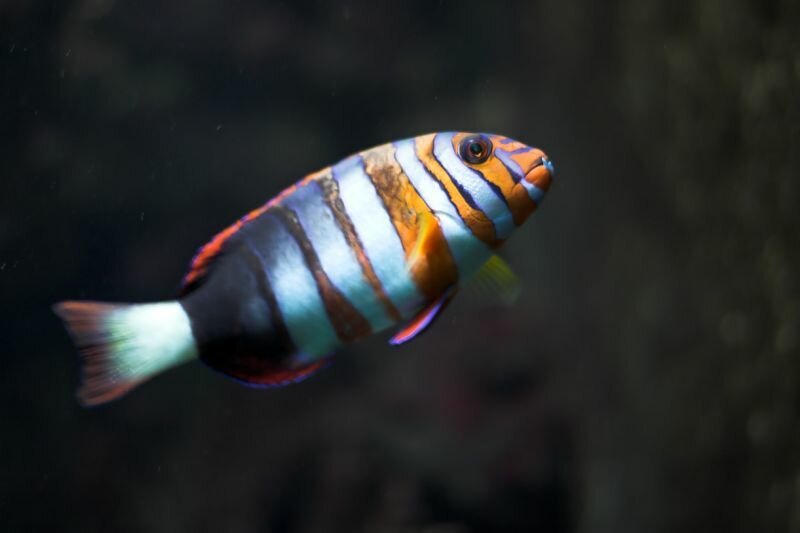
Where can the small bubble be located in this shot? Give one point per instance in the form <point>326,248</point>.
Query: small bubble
<point>219,127</point>
<point>141,216</point>
<point>3,266</point>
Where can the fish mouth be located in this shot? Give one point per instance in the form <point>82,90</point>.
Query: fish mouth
<point>541,173</point>
<point>545,162</point>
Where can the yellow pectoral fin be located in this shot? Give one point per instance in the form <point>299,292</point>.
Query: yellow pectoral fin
<point>495,279</point>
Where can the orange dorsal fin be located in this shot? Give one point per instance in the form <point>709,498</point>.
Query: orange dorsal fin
<point>208,253</point>
<point>205,256</point>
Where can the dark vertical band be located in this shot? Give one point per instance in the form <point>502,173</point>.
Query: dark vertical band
<point>405,206</point>
<point>461,190</point>
<point>348,323</point>
<point>330,193</point>
<point>256,264</point>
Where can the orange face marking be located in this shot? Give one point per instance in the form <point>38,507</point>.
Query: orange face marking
<point>495,171</point>
<point>477,221</point>
<point>529,160</point>
<point>435,269</point>
<point>523,205</point>
<point>518,199</point>
<point>540,176</point>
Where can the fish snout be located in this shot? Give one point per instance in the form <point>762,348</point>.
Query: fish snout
<point>539,176</point>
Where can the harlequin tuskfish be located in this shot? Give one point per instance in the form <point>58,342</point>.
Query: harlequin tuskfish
<point>383,238</point>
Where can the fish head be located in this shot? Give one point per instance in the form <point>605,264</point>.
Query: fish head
<point>521,174</point>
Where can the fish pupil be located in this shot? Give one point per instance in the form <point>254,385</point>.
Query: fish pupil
<point>475,149</point>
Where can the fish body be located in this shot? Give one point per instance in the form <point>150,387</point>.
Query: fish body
<point>381,239</point>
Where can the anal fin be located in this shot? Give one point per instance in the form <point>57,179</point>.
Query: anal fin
<point>280,377</point>
<point>424,318</point>
<point>258,365</point>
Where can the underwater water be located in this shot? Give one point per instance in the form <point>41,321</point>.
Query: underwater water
<point>646,379</point>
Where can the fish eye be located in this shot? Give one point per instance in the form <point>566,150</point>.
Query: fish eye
<point>475,149</point>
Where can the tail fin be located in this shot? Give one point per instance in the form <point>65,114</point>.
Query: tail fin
<point>123,345</point>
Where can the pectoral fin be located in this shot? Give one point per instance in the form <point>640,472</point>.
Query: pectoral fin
<point>423,319</point>
<point>495,280</point>
<point>422,246</point>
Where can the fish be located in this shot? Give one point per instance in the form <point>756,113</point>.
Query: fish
<point>383,239</point>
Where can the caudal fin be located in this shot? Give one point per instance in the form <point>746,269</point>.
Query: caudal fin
<point>123,345</point>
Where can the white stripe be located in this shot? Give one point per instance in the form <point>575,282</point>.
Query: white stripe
<point>512,166</point>
<point>377,234</point>
<point>468,251</point>
<point>481,192</point>
<point>297,294</point>
<point>536,194</point>
<point>338,260</point>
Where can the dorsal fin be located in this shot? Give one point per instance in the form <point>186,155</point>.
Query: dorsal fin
<point>208,253</point>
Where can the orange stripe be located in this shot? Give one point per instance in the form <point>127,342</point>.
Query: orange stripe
<point>521,204</point>
<point>496,172</point>
<point>477,220</point>
<point>435,269</point>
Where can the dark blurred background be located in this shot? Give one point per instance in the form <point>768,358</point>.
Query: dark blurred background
<point>646,380</point>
